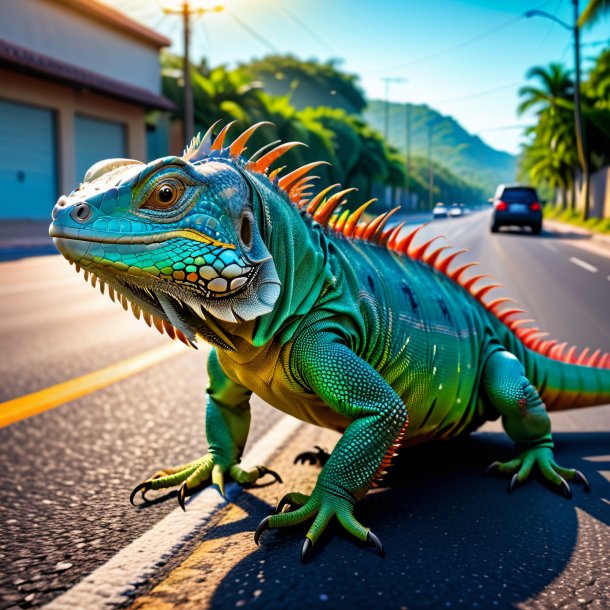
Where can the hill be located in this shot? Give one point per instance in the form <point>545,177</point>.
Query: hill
<point>464,154</point>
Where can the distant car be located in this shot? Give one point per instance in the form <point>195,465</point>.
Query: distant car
<point>440,210</point>
<point>455,210</point>
<point>516,205</point>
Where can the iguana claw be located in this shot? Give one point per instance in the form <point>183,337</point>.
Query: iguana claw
<point>306,550</point>
<point>493,467</point>
<point>263,470</point>
<point>182,496</point>
<point>580,478</point>
<point>142,488</point>
<point>374,541</point>
<point>262,526</point>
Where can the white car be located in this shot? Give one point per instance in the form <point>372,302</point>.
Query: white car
<point>440,210</point>
<point>455,210</point>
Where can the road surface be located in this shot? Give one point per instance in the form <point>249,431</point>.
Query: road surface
<point>454,539</point>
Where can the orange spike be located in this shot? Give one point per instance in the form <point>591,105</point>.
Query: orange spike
<point>169,329</point>
<point>468,284</point>
<point>405,242</point>
<point>481,292</point>
<point>354,217</point>
<point>604,361</point>
<point>569,357</point>
<point>516,323</point>
<point>239,145</point>
<point>432,258</point>
<point>262,164</point>
<point>418,253</point>
<point>384,236</point>
<point>531,338</point>
<point>338,227</point>
<point>557,351</point>
<point>317,200</point>
<point>504,315</point>
<point>360,229</point>
<point>444,264</point>
<point>546,346</point>
<point>394,234</point>
<point>583,355</point>
<point>289,179</point>
<point>525,333</point>
<point>376,225</point>
<point>493,305</point>
<point>325,210</point>
<point>302,185</point>
<point>456,274</point>
<point>593,358</point>
<point>274,174</point>
<point>220,138</point>
<point>146,317</point>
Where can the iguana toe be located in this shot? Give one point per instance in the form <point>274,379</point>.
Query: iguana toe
<point>320,456</point>
<point>262,526</point>
<point>291,500</point>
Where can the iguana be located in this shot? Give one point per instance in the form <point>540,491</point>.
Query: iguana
<point>338,321</point>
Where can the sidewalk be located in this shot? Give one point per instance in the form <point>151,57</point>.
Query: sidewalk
<point>587,238</point>
<point>22,238</point>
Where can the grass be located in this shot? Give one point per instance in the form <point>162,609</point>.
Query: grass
<point>597,225</point>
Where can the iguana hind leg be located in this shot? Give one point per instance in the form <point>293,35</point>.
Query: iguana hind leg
<point>526,421</point>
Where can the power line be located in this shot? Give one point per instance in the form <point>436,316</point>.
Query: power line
<point>502,128</point>
<point>253,33</point>
<point>309,31</point>
<point>457,46</point>
<point>474,95</point>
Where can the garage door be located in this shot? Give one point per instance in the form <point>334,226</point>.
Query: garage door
<point>97,139</point>
<point>28,164</point>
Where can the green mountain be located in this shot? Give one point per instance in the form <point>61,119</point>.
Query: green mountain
<point>465,155</point>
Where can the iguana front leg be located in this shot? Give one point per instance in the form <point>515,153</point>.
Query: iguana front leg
<point>526,421</point>
<point>227,426</point>
<point>346,383</point>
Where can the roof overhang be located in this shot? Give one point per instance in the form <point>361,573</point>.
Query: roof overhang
<point>106,14</point>
<point>20,59</point>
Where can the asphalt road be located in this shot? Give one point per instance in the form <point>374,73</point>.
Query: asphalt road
<point>65,475</point>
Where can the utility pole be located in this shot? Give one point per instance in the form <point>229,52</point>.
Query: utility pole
<point>186,9</point>
<point>580,132</point>
<point>387,80</point>
<point>430,168</point>
<point>408,153</point>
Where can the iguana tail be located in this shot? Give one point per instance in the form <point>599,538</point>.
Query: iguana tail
<point>568,382</point>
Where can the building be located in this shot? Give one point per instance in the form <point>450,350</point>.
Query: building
<point>76,81</point>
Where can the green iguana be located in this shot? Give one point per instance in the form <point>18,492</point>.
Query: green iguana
<point>337,321</point>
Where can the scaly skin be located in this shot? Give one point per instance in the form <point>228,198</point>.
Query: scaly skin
<point>341,332</point>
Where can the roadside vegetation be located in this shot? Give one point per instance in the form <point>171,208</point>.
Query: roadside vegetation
<point>301,108</point>
<point>549,160</point>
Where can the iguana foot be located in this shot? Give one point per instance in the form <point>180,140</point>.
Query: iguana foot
<point>521,467</point>
<point>192,475</point>
<point>323,505</point>
<point>313,457</point>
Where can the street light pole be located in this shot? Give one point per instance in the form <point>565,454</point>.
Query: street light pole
<point>408,153</point>
<point>580,132</point>
<point>430,168</point>
<point>581,147</point>
<point>387,80</point>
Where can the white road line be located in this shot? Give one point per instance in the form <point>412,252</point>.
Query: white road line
<point>114,582</point>
<point>546,244</point>
<point>583,264</point>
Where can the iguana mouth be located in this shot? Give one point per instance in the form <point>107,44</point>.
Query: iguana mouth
<point>133,238</point>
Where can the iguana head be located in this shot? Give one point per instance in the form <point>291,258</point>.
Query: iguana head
<point>177,238</point>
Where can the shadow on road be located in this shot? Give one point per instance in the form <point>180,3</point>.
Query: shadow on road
<point>545,234</point>
<point>453,538</point>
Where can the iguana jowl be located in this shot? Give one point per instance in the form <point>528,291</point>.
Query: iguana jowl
<point>337,321</point>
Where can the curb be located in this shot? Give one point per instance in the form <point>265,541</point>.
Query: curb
<point>563,227</point>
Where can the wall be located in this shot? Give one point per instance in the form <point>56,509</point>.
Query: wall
<point>69,36</point>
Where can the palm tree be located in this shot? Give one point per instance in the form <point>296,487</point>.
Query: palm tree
<point>555,90</point>
<point>593,12</point>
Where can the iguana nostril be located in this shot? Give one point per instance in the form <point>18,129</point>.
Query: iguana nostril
<point>81,212</point>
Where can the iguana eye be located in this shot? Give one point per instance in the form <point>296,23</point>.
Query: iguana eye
<point>165,195</point>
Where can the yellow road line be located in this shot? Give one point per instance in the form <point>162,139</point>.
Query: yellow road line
<point>23,407</point>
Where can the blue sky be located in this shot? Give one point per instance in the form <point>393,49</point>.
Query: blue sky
<point>445,49</point>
